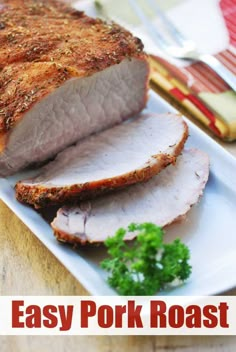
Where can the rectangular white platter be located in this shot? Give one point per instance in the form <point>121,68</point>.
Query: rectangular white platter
<point>209,229</point>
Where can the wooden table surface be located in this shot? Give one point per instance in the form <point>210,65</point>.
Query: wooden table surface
<point>28,268</point>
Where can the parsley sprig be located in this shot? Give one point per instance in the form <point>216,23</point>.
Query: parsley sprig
<point>146,265</point>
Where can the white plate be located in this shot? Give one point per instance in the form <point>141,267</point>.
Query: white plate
<point>209,230</point>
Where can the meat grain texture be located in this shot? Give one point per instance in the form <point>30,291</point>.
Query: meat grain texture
<point>164,199</point>
<point>120,156</point>
<point>63,76</point>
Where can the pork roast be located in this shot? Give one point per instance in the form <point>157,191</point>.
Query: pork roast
<point>162,200</point>
<point>63,76</point>
<point>120,156</point>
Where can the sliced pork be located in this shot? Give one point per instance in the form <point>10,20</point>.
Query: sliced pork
<point>63,76</point>
<point>123,155</point>
<point>162,200</point>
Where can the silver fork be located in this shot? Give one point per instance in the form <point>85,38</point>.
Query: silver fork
<point>176,45</point>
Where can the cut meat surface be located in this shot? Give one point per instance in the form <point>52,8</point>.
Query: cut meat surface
<point>164,199</point>
<point>123,155</point>
<point>63,76</point>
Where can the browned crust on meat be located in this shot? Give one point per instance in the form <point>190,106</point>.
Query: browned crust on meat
<point>41,196</point>
<point>45,43</point>
<point>71,239</point>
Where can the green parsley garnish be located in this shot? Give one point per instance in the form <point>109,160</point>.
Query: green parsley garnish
<point>98,5</point>
<point>146,265</point>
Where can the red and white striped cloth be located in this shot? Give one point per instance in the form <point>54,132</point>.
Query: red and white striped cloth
<point>199,89</point>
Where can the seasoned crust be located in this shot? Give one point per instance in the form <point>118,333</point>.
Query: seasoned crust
<point>43,44</point>
<point>40,195</point>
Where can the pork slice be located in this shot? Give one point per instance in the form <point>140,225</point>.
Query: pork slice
<point>164,199</point>
<point>63,76</point>
<point>123,155</point>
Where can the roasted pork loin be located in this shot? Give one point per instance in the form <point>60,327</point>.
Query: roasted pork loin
<point>123,155</point>
<point>162,200</point>
<point>63,76</point>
